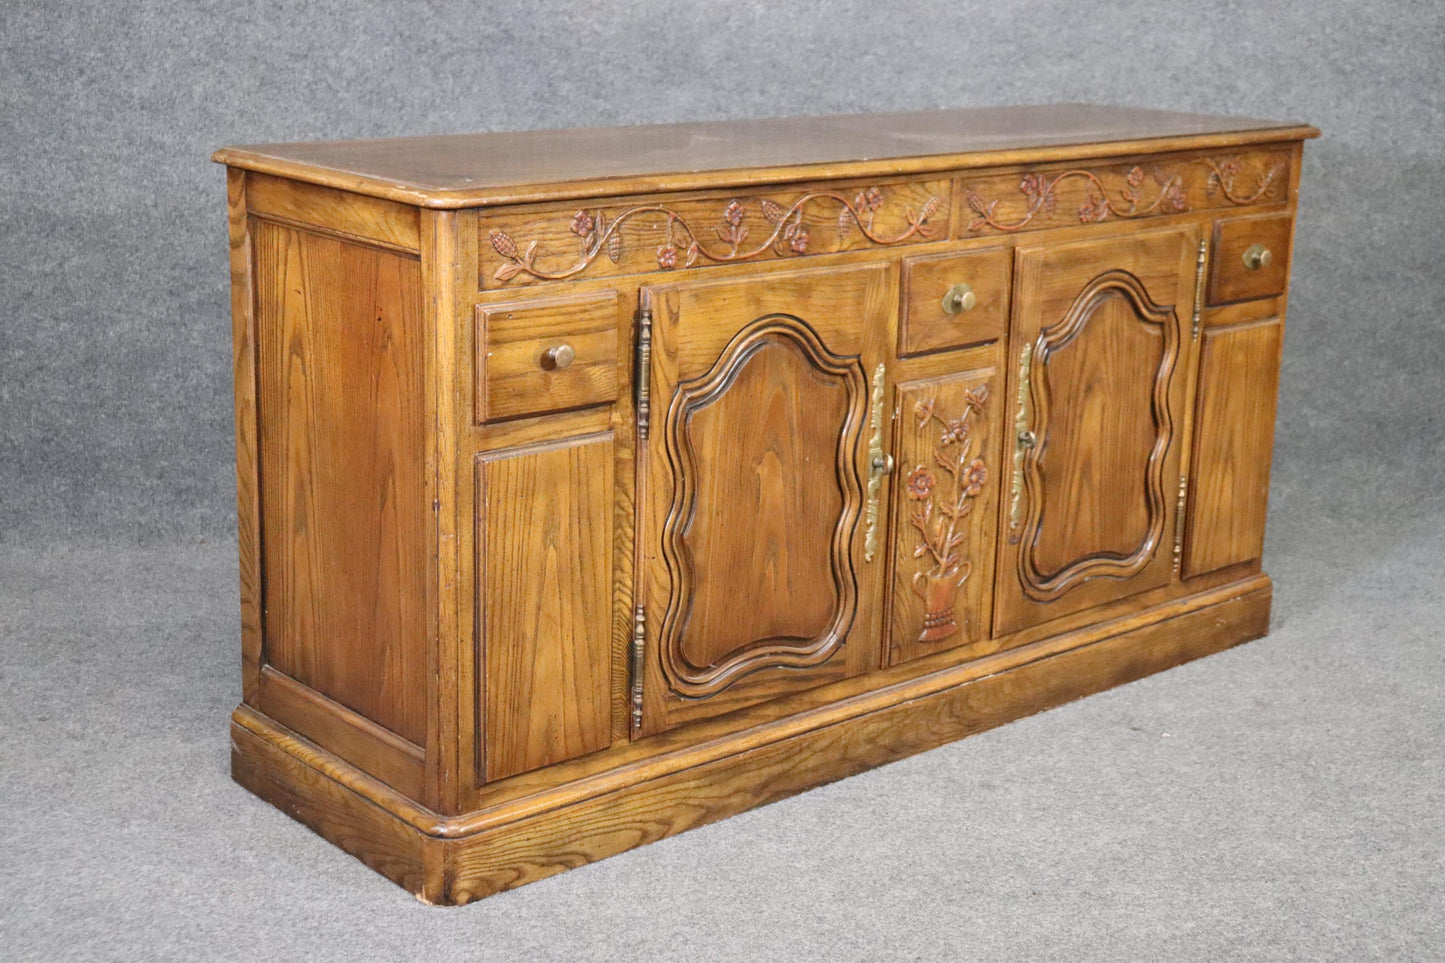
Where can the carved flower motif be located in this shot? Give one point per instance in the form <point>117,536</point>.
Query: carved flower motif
<point>582,223</point>
<point>800,243</point>
<point>1136,176</point>
<point>1031,185</point>
<point>954,432</point>
<point>733,213</point>
<point>869,200</point>
<point>667,256</point>
<point>1094,210</point>
<point>919,483</point>
<point>1174,199</point>
<point>923,411</point>
<point>978,397</point>
<point>974,476</point>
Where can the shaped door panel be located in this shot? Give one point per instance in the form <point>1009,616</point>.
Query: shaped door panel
<point>754,489</point>
<point>1100,338</point>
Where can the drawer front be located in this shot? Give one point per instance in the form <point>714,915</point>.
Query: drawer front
<point>535,357</point>
<point>953,300</point>
<point>1251,258</point>
<point>660,233</point>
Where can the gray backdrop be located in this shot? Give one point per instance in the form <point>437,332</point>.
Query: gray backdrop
<point>115,418</point>
<point>1280,800</point>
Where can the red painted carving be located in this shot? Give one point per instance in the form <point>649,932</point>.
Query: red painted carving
<point>785,235</point>
<point>942,509</point>
<point>1135,197</point>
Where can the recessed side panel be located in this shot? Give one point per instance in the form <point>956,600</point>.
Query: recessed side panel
<point>344,518</point>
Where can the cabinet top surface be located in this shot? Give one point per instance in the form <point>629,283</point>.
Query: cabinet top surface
<point>464,170</point>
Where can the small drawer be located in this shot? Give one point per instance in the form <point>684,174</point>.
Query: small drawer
<point>1250,258</point>
<point>953,300</point>
<point>538,356</point>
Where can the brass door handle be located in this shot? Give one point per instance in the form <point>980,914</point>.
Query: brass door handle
<point>1257,256</point>
<point>959,298</point>
<point>880,463</point>
<point>1024,439</point>
<point>559,357</point>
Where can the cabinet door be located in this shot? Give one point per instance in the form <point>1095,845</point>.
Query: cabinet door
<point>1233,440</point>
<point>945,510</point>
<point>756,574</point>
<point>1100,334</point>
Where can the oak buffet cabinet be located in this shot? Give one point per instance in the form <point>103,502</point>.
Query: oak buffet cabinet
<point>597,484</point>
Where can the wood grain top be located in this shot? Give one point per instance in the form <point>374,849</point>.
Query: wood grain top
<point>466,170</point>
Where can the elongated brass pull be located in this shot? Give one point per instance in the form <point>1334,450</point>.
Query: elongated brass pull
<point>1024,439</point>
<point>1257,256</point>
<point>880,463</point>
<point>959,298</point>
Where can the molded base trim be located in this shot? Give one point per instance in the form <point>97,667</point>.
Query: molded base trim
<point>454,860</point>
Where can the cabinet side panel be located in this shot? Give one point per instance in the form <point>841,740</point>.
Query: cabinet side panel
<point>1233,439</point>
<point>342,441</point>
<point>544,571</point>
<point>248,488</point>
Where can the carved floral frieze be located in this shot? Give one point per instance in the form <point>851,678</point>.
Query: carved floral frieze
<point>1091,195</point>
<point>691,231</point>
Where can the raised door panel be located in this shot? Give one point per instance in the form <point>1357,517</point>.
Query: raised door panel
<point>1233,440</point>
<point>945,512</point>
<point>1102,337</point>
<point>755,577</point>
<point>544,594</point>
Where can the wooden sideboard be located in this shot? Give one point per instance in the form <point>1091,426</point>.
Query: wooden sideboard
<point>598,484</point>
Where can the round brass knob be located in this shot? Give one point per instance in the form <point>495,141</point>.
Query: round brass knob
<point>959,298</point>
<point>1257,256</point>
<point>559,357</point>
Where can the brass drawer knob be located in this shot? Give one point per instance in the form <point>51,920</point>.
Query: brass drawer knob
<point>559,357</point>
<point>959,298</point>
<point>1257,256</point>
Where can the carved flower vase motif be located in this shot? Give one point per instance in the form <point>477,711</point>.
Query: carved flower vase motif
<point>942,510</point>
<point>940,598</point>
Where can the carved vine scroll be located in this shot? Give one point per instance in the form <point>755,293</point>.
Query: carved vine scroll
<point>1135,193</point>
<point>746,228</point>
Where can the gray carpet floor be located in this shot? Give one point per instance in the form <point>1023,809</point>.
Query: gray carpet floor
<point>1283,800</point>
